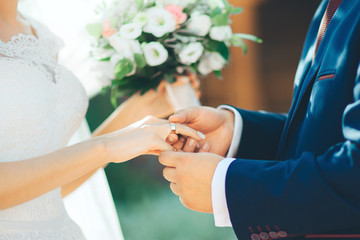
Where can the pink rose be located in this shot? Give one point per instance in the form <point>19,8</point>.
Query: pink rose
<point>108,30</point>
<point>177,12</point>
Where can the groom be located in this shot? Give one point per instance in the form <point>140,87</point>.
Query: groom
<point>285,176</point>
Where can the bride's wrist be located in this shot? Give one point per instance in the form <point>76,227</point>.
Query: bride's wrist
<point>99,150</point>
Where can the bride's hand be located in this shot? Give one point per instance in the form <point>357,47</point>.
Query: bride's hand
<point>147,136</point>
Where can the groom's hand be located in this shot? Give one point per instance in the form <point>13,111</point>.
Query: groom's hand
<point>216,124</point>
<point>190,176</point>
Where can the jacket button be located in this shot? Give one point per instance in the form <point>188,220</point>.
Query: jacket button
<point>264,235</point>
<point>282,234</point>
<point>255,236</point>
<point>273,234</point>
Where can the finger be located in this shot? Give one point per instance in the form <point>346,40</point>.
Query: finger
<point>189,132</point>
<point>169,174</point>
<point>190,145</point>
<point>174,188</point>
<point>160,145</point>
<point>172,139</point>
<point>187,115</point>
<point>205,147</point>
<point>168,159</point>
<point>180,143</point>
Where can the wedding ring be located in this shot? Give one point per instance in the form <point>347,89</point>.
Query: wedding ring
<point>173,128</point>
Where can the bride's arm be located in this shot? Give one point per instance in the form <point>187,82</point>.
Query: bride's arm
<point>25,180</point>
<point>137,107</point>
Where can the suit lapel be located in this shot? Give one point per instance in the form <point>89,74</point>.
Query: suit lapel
<point>310,68</point>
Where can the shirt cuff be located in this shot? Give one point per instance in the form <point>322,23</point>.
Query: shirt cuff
<point>218,194</point>
<point>238,125</point>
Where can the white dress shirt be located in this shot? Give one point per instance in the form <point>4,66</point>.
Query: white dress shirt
<point>218,194</point>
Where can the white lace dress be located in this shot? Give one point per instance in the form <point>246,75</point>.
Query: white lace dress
<point>41,105</point>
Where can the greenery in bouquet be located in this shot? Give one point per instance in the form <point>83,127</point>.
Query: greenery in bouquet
<point>139,43</point>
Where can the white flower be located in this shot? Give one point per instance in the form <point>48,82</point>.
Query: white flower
<point>160,22</point>
<point>135,47</point>
<point>199,24</point>
<point>155,53</point>
<point>211,61</point>
<point>222,33</point>
<point>104,72</point>
<point>130,31</point>
<point>141,19</point>
<point>121,45</point>
<point>125,47</point>
<point>191,53</point>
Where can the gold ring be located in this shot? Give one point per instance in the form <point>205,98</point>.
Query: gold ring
<point>173,128</point>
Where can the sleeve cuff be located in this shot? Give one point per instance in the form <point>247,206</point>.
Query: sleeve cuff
<point>218,194</point>
<point>234,146</point>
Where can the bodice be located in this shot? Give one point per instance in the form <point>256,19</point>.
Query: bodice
<point>41,105</point>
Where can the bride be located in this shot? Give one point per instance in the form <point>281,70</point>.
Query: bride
<point>42,104</point>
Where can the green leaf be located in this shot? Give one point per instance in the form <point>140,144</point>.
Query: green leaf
<point>104,59</point>
<point>212,45</point>
<point>113,97</point>
<point>220,20</point>
<point>215,11</point>
<point>236,10</point>
<point>224,51</point>
<point>94,29</point>
<point>140,60</point>
<point>123,67</point>
<point>218,74</point>
<point>248,37</point>
<point>170,78</point>
<point>238,42</point>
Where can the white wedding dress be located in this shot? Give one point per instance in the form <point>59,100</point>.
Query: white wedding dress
<point>41,105</point>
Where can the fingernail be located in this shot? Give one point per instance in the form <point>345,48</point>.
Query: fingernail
<point>205,146</point>
<point>201,134</point>
<point>197,145</point>
<point>191,142</point>
<point>171,139</point>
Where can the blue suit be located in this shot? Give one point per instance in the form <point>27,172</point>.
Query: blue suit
<point>300,172</point>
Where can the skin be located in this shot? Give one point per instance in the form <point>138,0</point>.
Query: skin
<point>27,179</point>
<point>190,170</point>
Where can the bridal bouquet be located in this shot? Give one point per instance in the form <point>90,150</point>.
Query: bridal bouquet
<point>139,43</point>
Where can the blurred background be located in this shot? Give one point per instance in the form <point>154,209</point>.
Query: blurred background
<point>263,79</point>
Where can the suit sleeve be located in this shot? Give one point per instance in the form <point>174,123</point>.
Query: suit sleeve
<point>310,194</point>
<point>261,134</point>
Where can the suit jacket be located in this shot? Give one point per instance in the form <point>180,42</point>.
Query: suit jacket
<point>300,173</point>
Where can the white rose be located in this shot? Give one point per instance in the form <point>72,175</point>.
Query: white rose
<point>221,33</point>
<point>191,53</point>
<point>121,45</point>
<point>130,31</point>
<point>125,47</point>
<point>211,61</point>
<point>155,53</point>
<point>160,22</point>
<point>199,24</point>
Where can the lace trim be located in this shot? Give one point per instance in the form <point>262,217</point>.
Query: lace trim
<point>40,51</point>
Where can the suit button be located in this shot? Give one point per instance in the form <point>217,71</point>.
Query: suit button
<point>264,235</point>
<point>255,236</point>
<point>273,234</point>
<point>282,234</point>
